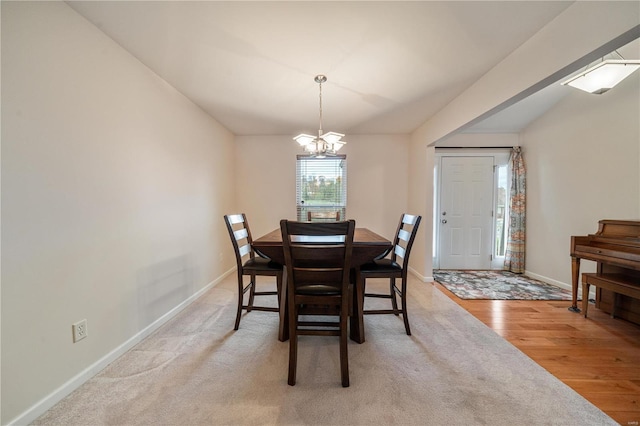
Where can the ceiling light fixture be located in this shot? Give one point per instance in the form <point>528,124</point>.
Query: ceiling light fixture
<point>603,76</point>
<point>323,145</point>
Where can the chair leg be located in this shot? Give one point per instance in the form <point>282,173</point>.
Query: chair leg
<point>240,299</point>
<point>279,289</point>
<point>405,317</point>
<point>279,298</point>
<point>344,356</point>
<point>392,293</point>
<point>252,292</point>
<point>293,343</point>
<point>283,304</point>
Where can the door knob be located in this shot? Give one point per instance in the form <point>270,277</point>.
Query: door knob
<point>444,221</point>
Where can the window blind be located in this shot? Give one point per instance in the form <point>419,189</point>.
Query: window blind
<point>321,186</point>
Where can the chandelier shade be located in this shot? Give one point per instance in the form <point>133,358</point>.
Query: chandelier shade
<point>323,145</point>
<point>603,76</point>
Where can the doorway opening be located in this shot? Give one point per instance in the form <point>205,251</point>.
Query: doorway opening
<point>471,198</point>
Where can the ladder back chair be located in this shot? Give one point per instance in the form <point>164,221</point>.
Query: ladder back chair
<point>393,268</point>
<point>318,262</point>
<point>248,264</point>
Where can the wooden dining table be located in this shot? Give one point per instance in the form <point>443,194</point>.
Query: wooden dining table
<point>367,245</point>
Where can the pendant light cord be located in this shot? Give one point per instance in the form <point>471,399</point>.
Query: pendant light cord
<point>320,79</point>
<point>320,131</point>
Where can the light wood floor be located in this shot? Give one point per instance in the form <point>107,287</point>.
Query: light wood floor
<point>598,356</point>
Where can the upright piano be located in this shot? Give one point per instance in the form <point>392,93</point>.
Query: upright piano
<point>616,249</point>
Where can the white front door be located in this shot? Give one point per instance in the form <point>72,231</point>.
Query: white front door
<point>465,219</point>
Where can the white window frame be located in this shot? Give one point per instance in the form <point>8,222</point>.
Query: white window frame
<point>319,169</point>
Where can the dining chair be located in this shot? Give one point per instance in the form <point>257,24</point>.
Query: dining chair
<point>323,216</point>
<point>248,264</point>
<point>393,268</point>
<point>318,261</point>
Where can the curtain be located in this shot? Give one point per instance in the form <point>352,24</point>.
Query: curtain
<point>514,255</point>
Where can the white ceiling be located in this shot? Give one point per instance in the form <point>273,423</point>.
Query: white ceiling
<point>390,65</point>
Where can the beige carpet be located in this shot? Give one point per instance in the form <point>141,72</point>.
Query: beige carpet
<point>196,370</point>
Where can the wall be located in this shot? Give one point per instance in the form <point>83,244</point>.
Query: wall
<point>377,179</point>
<point>480,140</point>
<point>582,160</point>
<point>421,164</point>
<point>113,191</point>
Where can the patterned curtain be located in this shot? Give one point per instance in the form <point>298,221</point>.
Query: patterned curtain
<point>514,256</point>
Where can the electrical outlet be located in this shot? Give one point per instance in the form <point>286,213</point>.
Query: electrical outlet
<point>79,330</point>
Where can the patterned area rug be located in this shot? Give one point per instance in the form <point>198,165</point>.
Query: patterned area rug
<point>498,285</point>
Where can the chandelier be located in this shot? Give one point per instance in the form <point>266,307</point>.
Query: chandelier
<point>323,145</point>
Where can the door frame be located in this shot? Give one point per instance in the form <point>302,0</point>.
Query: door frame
<point>500,157</point>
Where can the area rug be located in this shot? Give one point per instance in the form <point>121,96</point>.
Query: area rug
<point>197,371</point>
<point>498,285</point>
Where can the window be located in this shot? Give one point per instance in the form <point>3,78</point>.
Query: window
<point>321,186</point>
<point>502,197</point>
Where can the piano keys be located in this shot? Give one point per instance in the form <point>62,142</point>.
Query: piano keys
<point>615,247</point>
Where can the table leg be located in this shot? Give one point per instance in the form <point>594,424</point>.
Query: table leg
<point>283,328</point>
<point>357,317</point>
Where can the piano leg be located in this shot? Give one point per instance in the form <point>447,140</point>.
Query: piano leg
<point>575,275</point>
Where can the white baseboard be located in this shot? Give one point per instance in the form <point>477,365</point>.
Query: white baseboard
<point>422,278</point>
<point>40,407</point>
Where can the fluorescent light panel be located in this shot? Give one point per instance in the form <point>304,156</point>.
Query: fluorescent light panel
<point>603,76</point>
